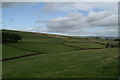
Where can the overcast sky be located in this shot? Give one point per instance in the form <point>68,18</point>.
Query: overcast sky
<point>65,18</point>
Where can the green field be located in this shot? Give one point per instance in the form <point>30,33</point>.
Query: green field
<point>12,52</point>
<point>42,47</point>
<point>60,58</point>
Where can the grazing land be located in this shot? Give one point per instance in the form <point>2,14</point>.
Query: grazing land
<point>58,56</point>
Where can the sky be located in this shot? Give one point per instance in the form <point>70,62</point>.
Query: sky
<point>64,18</point>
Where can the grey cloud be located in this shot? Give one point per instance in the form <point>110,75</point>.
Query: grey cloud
<point>69,24</point>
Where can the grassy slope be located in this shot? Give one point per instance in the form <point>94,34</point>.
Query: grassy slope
<point>70,64</point>
<point>73,64</point>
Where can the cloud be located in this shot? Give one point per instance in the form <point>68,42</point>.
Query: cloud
<point>102,19</point>
<point>64,24</point>
<point>93,16</point>
<point>86,6</point>
<point>64,6</point>
<point>75,22</point>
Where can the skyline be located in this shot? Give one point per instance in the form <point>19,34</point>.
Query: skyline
<point>64,18</point>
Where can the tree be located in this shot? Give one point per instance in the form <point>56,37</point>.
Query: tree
<point>116,39</point>
<point>10,37</point>
<point>107,45</point>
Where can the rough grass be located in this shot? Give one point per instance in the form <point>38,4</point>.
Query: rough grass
<point>73,64</point>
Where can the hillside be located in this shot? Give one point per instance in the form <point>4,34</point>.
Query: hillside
<point>42,55</point>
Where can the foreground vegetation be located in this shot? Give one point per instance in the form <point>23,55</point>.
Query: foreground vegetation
<point>59,56</point>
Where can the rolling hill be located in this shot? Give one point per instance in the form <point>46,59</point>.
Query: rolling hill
<point>42,55</point>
